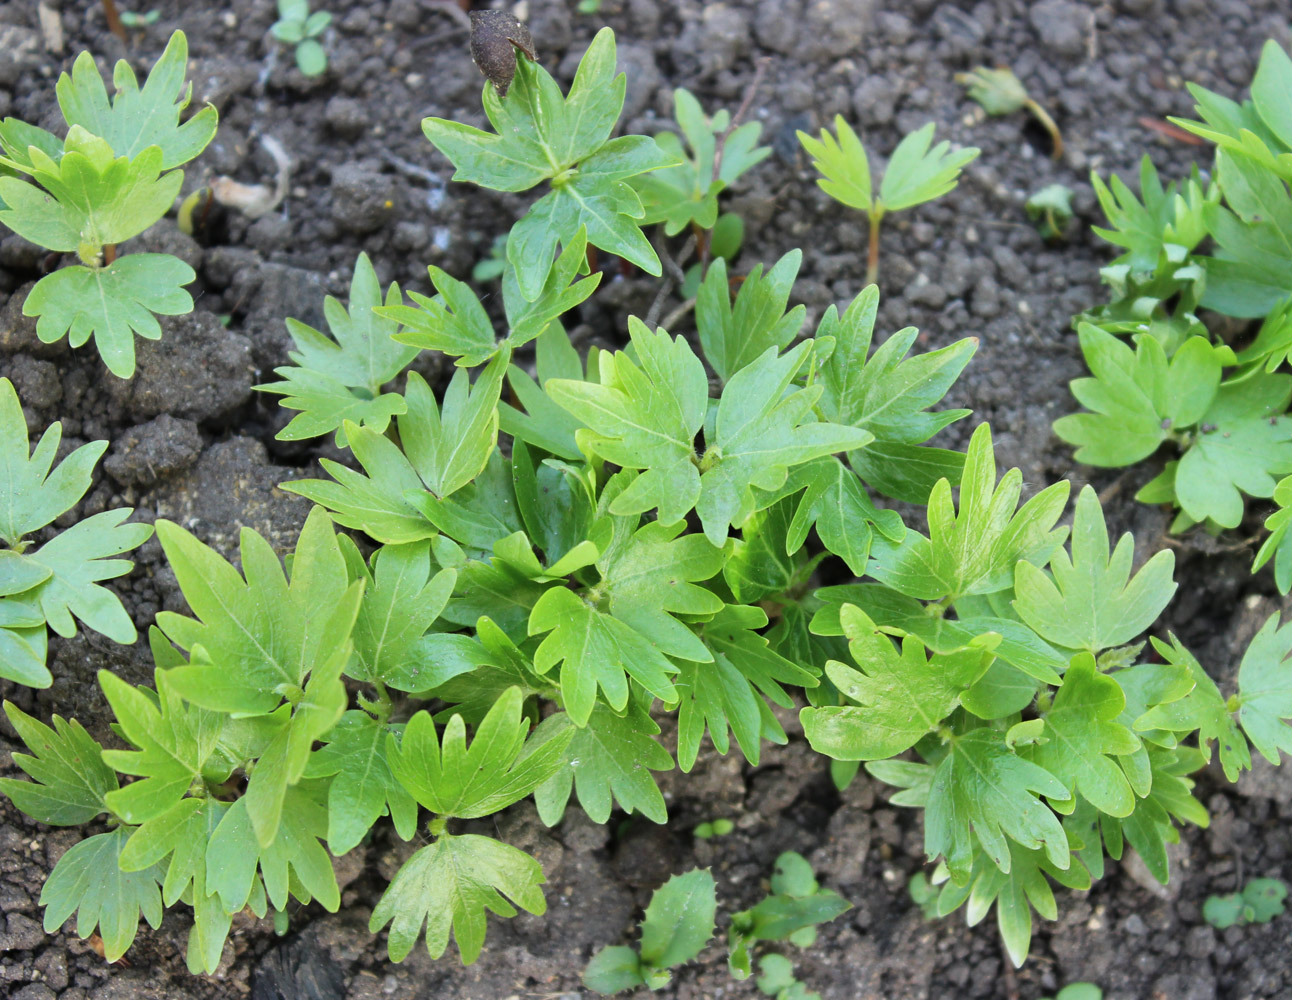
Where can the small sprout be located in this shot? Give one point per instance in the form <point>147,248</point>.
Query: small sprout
<point>1261,900</point>
<point>496,36</point>
<point>1079,991</point>
<point>297,26</point>
<point>495,264</point>
<point>132,20</point>
<point>1050,209</point>
<point>916,173</point>
<point>589,6</point>
<point>714,828</point>
<point>1000,92</point>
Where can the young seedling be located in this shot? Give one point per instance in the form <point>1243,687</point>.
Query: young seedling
<point>999,92</point>
<point>299,27</point>
<point>132,20</point>
<point>1050,209</point>
<point>790,912</point>
<point>915,174</point>
<point>776,979</point>
<point>107,181</point>
<point>1078,991</point>
<point>714,828</point>
<point>1261,900</point>
<point>677,926</point>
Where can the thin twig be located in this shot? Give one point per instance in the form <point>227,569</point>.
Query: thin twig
<point>720,147</point>
<point>677,314</point>
<point>674,276</point>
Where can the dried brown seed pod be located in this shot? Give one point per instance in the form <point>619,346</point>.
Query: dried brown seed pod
<point>495,38</point>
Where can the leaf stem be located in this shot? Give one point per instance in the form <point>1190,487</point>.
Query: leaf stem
<point>872,257</point>
<point>1043,116</point>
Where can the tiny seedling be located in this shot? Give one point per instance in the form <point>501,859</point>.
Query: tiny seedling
<point>1078,991</point>
<point>1050,210</point>
<point>1261,900</point>
<point>924,894</point>
<point>999,92</point>
<point>107,181</point>
<point>790,912</point>
<point>776,979</point>
<point>677,925</point>
<point>915,174</point>
<point>298,26</point>
<point>714,828</point>
<point>132,20</point>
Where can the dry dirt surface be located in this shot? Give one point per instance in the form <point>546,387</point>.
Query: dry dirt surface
<point>194,443</point>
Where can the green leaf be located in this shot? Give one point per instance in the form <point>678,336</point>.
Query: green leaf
<point>339,377</point>
<point>612,969</point>
<point>608,761</point>
<point>498,768</point>
<point>266,634</point>
<point>1092,603</point>
<point>644,415</point>
<point>363,787</point>
<point>843,165</point>
<point>450,886</point>
<point>138,118</point>
<point>89,882</point>
<point>69,783</point>
<point>1014,894</point>
<point>916,173</point>
<point>679,919</point>
<point>882,393</point>
<point>896,700</point>
<point>174,741</point>
<point>974,550</point>
<point>311,57</point>
<point>732,691</point>
<point>759,433</point>
<point>541,136</point>
<point>836,503</point>
<point>33,495</point>
<point>1083,735</point>
<point>294,863</point>
<point>1203,709</point>
<point>453,322</point>
<point>733,336</point>
<point>1245,441</point>
<point>1265,690</point>
<point>90,199</point>
<point>1164,217</point>
<point>111,304</point>
<point>1137,398</point>
<point>76,561</point>
<point>542,423</point>
<point>596,651</point>
<point>401,601</point>
<point>982,794</point>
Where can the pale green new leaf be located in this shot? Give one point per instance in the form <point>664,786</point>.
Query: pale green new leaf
<point>837,504</point>
<point>973,550</point>
<point>70,782</point>
<point>449,887</point>
<point>733,335</point>
<point>339,377</point>
<point>842,164</point>
<point>895,699</point>
<point>1091,602</point>
<point>89,882</point>
<point>498,768</point>
<point>111,304</point>
<point>916,173</point>
<point>1265,690</point>
<point>138,118</point>
<point>33,495</point>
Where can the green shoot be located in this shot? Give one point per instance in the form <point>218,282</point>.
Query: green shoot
<point>1000,92</point>
<point>297,26</point>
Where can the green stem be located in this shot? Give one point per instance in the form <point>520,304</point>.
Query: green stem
<point>1043,116</point>
<point>872,256</point>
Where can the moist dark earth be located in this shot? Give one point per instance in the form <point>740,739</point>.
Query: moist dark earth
<point>192,442</point>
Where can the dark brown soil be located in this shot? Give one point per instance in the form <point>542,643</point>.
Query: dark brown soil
<point>192,442</point>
